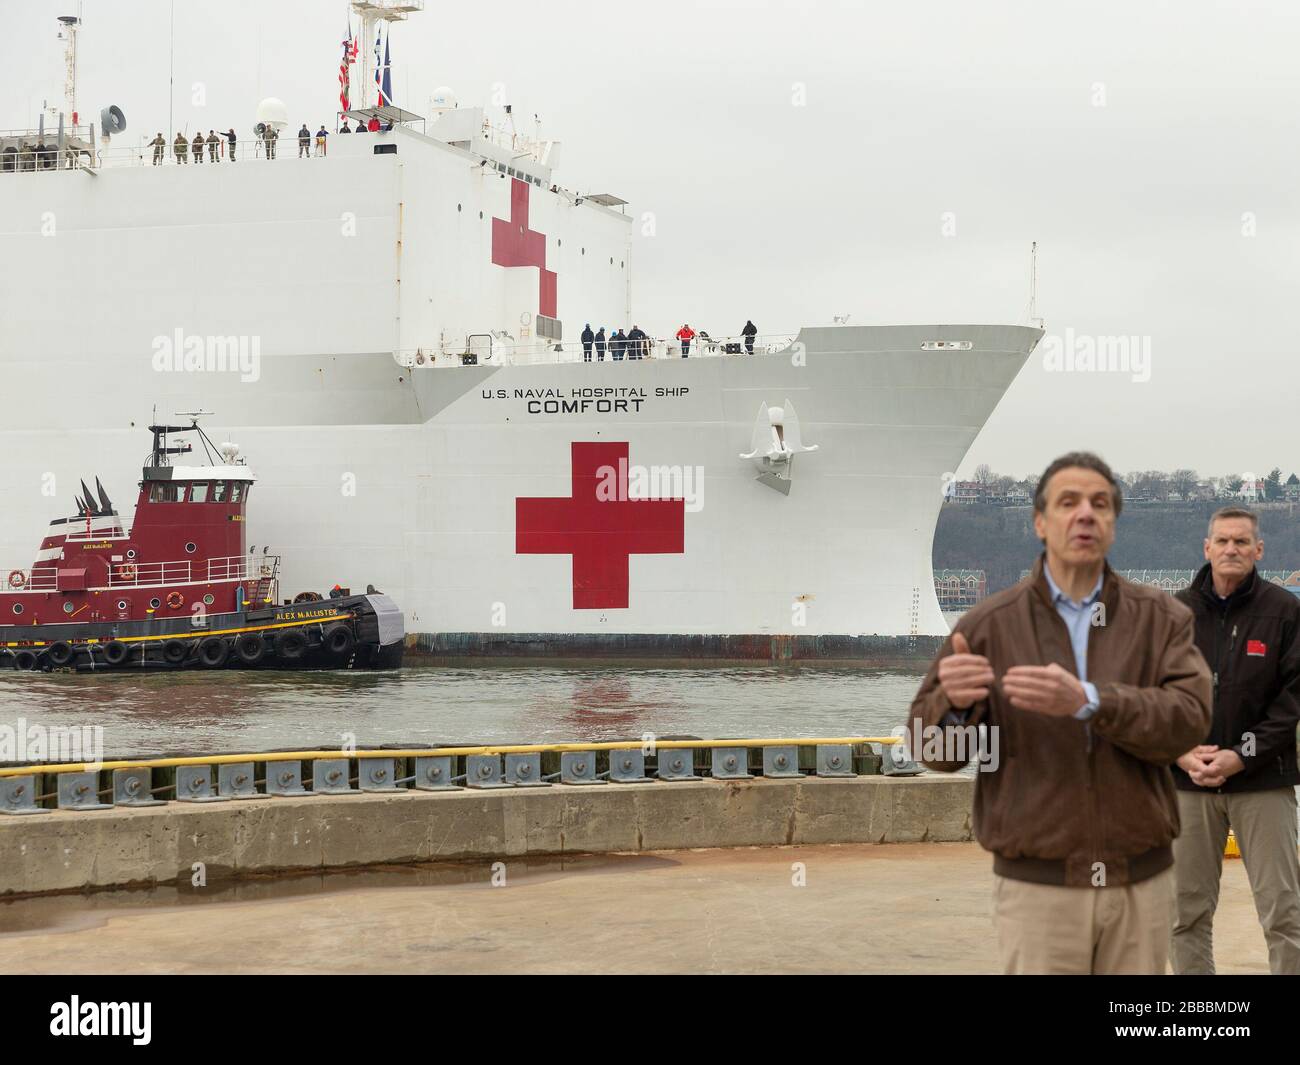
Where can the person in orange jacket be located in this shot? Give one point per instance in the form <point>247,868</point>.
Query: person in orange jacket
<point>686,334</point>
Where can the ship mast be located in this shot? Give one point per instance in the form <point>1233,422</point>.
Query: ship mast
<point>372,13</point>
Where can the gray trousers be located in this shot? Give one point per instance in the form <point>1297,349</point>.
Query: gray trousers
<point>1265,826</point>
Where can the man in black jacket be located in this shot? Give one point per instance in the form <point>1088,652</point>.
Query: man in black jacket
<point>1245,774</point>
<point>588,338</point>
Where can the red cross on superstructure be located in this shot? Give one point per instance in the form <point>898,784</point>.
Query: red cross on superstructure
<point>599,533</point>
<point>514,244</point>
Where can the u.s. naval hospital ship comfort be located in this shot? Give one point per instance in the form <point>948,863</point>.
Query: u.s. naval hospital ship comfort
<point>398,323</point>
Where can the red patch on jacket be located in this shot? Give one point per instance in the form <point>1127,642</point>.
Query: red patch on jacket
<point>1256,648</point>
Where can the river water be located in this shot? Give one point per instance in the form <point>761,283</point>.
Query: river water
<point>232,711</point>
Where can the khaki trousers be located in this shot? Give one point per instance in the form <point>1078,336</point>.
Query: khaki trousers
<point>1046,929</point>
<point>1265,826</point>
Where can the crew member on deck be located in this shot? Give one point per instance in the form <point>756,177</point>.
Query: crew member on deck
<point>233,141</point>
<point>320,139</point>
<point>346,128</point>
<point>181,148</point>
<point>159,147</point>
<point>304,141</point>
<point>587,338</point>
<point>636,340</point>
<point>214,145</point>
<point>686,334</point>
<point>197,146</point>
<point>617,345</point>
<point>600,344</point>
<point>269,137</point>
<point>749,332</point>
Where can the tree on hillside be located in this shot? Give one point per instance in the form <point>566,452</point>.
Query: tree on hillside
<point>1153,484</point>
<point>1232,483</point>
<point>983,474</point>
<point>1273,484</point>
<point>1293,479</point>
<point>1183,481</point>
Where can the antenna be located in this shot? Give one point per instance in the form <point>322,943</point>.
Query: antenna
<point>1033,285</point>
<point>68,33</point>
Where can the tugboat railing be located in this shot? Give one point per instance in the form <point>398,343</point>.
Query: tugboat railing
<point>130,574</point>
<point>160,574</point>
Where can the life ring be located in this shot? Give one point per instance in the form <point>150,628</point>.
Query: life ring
<point>17,579</point>
<point>175,600</point>
<point>126,571</point>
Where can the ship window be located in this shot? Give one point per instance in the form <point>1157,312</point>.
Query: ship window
<point>237,492</point>
<point>190,548</point>
<point>200,492</point>
<point>121,604</point>
<point>18,608</point>
<point>219,490</point>
<point>163,492</point>
<point>68,608</point>
<point>208,600</point>
<point>155,603</point>
<point>130,552</point>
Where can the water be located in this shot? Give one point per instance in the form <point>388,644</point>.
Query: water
<point>232,712</point>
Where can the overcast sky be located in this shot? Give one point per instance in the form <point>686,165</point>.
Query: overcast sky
<point>804,160</point>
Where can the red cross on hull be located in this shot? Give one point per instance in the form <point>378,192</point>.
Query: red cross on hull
<point>599,533</point>
<point>514,244</point>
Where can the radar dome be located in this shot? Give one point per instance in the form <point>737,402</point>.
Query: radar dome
<point>444,99</point>
<point>273,112</point>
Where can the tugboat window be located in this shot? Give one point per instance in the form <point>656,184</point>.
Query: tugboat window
<point>200,493</point>
<point>208,600</point>
<point>18,608</point>
<point>155,603</point>
<point>130,552</point>
<point>67,608</point>
<point>163,492</point>
<point>218,492</point>
<point>121,604</point>
<point>190,548</point>
<point>237,492</point>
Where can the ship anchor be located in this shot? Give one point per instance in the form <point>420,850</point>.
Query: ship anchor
<point>776,441</point>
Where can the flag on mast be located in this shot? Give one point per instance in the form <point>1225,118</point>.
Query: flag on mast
<point>387,88</point>
<point>350,48</point>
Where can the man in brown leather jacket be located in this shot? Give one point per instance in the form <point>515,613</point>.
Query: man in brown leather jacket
<point>1095,687</point>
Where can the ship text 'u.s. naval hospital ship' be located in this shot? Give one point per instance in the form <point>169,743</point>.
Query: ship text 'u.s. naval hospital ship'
<point>395,330</point>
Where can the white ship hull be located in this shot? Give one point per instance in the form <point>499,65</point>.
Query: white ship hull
<point>407,477</point>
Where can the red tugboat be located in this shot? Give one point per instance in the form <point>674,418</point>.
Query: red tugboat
<point>180,590</point>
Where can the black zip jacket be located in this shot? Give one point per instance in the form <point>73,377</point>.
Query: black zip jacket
<point>1252,642</point>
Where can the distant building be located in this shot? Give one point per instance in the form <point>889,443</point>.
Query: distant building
<point>959,589</point>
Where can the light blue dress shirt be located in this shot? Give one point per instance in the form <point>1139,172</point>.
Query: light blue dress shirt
<point>1078,619</point>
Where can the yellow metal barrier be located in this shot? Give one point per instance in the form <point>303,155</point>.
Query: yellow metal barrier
<point>433,752</point>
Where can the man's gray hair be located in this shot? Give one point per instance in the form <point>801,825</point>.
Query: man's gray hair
<point>1234,512</point>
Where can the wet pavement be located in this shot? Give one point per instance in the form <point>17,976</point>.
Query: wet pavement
<point>893,908</point>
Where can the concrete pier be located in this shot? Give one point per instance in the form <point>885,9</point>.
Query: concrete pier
<point>74,851</point>
<point>904,908</point>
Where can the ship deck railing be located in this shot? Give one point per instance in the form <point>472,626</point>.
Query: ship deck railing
<point>248,146</point>
<point>130,574</point>
<point>478,351</point>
